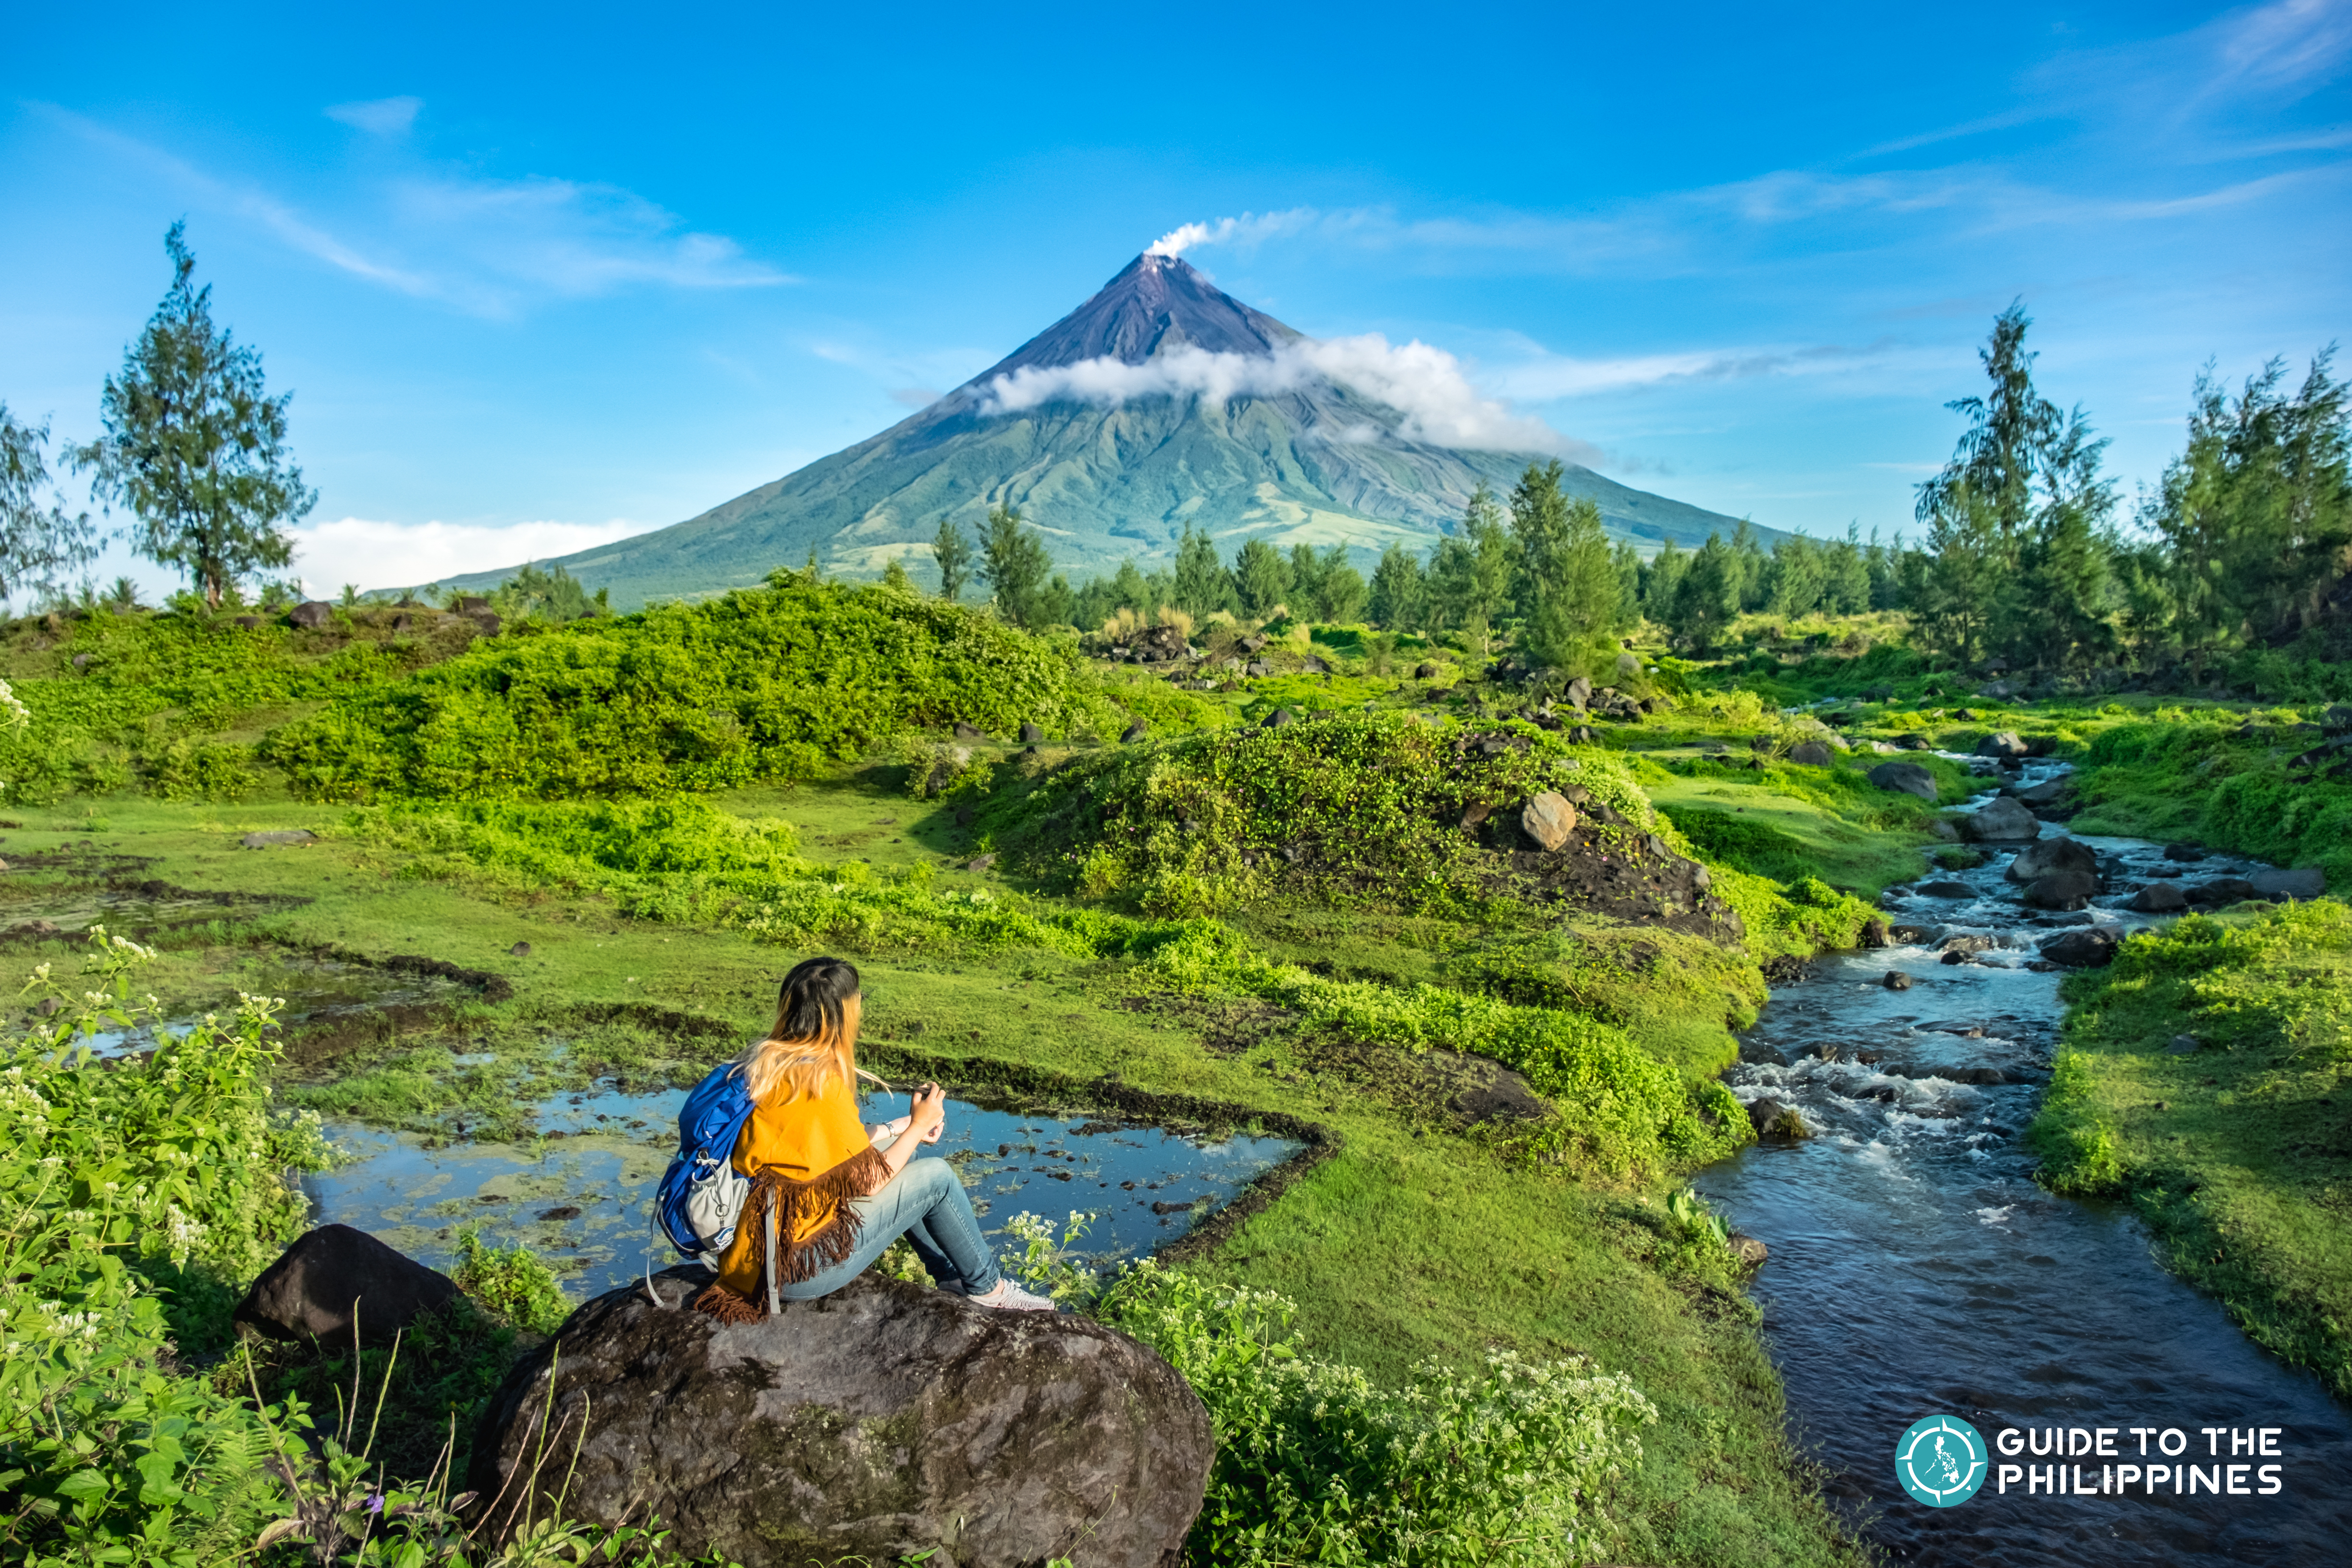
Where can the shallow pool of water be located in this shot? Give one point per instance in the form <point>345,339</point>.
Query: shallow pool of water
<point>1917,1269</point>
<point>581,1194</point>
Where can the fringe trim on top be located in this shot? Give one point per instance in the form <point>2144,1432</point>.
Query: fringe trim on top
<point>826,1196</point>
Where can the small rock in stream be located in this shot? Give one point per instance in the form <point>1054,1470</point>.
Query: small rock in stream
<point>1897,981</point>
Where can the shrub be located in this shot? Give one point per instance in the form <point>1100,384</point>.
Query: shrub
<point>512,1284</point>
<point>1505,1462</point>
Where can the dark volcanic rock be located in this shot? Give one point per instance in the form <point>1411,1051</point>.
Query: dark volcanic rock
<point>2303,884</point>
<point>2000,821</point>
<point>1134,732</point>
<point>883,1422</point>
<point>1809,754</point>
<point>333,1273</point>
<point>1031,734</point>
<point>2001,743</point>
<point>2038,860</point>
<point>2086,947</point>
<point>1771,1119</point>
<point>2061,891</point>
<point>2187,854</point>
<point>964,732</point>
<point>1910,778</point>
<point>2221,891</point>
<point>2159,898</point>
<point>312,614</point>
<point>1945,889</point>
<point>1897,981</point>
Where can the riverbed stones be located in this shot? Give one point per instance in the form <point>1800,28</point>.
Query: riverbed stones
<point>2086,947</point>
<point>2001,821</point>
<point>2061,891</point>
<point>2184,854</point>
<point>2158,898</point>
<point>1773,1119</point>
<point>1809,754</point>
<point>1548,819</point>
<point>2001,743</point>
<point>334,1275</point>
<point>2039,859</point>
<point>1945,889</point>
<point>883,1421</point>
<point>1897,981</point>
<point>2221,891</point>
<point>1906,778</point>
<point>2301,884</point>
<point>1746,1250</point>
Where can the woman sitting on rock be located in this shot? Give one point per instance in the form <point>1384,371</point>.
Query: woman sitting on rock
<point>833,1191</point>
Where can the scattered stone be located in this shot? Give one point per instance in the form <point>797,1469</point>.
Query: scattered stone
<point>1581,735</point>
<point>485,622</point>
<point>1134,732</point>
<point>1424,673</point>
<point>2038,860</point>
<point>2188,854</point>
<point>2158,898</point>
<point>980,863</point>
<point>964,732</point>
<point>1912,743</point>
<point>2001,743</point>
<point>1897,981</point>
<point>520,950</point>
<point>1031,734</point>
<point>402,624</point>
<point>333,1273</point>
<point>2047,792</point>
<point>2221,891</point>
<point>1257,666</point>
<point>2086,947</point>
<point>1548,819</point>
<point>1747,1252</point>
<point>2183,1045</point>
<point>81,661</point>
<point>312,614</point>
<point>1967,945</point>
<point>2001,821</point>
<point>472,604</point>
<point>283,835</point>
<point>1908,778</point>
<point>2061,891</point>
<point>1771,1119</point>
<point>1280,717</point>
<point>2303,884</point>
<point>883,1422</point>
<point>249,623</point>
<point>1809,754</point>
<point>1945,888</point>
<point>50,1007</point>
<point>1579,692</point>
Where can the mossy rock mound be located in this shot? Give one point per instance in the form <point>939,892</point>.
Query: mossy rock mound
<point>1378,811</point>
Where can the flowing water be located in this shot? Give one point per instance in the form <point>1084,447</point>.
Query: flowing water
<point>581,1194</point>
<point>1917,1270</point>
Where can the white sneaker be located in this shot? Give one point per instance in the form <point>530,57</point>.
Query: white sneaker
<point>1009,1297</point>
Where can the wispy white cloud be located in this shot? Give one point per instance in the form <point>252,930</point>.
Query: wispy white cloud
<point>489,246</point>
<point>1426,385</point>
<point>379,555</point>
<point>378,116</point>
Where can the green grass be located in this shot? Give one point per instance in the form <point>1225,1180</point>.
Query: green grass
<point>2237,1152</point>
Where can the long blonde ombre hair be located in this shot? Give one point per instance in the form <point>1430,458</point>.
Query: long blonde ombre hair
<point>815,1034</point>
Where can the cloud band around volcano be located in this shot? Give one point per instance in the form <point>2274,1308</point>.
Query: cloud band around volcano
<point>1424,384</point>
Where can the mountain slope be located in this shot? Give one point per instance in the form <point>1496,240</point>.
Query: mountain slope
<point>1119,470</point>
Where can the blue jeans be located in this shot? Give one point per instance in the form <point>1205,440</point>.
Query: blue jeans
<point>926,1204</point>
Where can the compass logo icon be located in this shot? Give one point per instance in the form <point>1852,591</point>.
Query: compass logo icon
<point>1940,1461</point>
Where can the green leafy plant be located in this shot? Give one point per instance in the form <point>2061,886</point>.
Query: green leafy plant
<point>513,1284</point>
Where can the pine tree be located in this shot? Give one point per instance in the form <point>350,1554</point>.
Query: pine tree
<point>951,554</point>
<point>1342,587</point>
<point>1203,586</point>
<point>1305,572</point>
<point>1568,587</point>
<point>1260,579</point>
<point>194,445</point>
<point>1706,594</point>
<point>1399,590</point>
<point>894,575</point>
<point>40,543</point>
<point>1014,564</point>
<point>1659,580</point>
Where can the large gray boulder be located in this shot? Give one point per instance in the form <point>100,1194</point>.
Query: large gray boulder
<point>2061,891</point>
<point>2221,891</point>
<point>2001,822</point>
<point>2037,860</point>
<point>1809,754</point>
<point>2302,885</point>
<point>2159,898</point>
<point>1548,819</point>
<point>335,1275</point>
<point>2084,947</point>
<point>2002,743</point>
<point>883,1422</point>
<point>1910,778</point>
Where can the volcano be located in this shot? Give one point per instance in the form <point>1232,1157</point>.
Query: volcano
<point>1160,402</point>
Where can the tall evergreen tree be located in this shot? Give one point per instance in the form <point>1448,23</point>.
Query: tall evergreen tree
<point>1399,590</point>
<point>1659,580</point>
<point>1342,586</point>
<point>1203,586</point>
<point>951,554</point>
<point>1568,593</point>
<point>1845,575</point>
<point>194,445</point>
<point>1305,592</point>
<point>1014,565</point>
<point>1261,580</point>
<point>1706,594</point>
<point>40,542</point>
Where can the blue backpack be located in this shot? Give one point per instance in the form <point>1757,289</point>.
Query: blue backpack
<point>701,1196</point>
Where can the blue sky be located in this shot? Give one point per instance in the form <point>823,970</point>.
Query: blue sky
<point>547,276</point>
